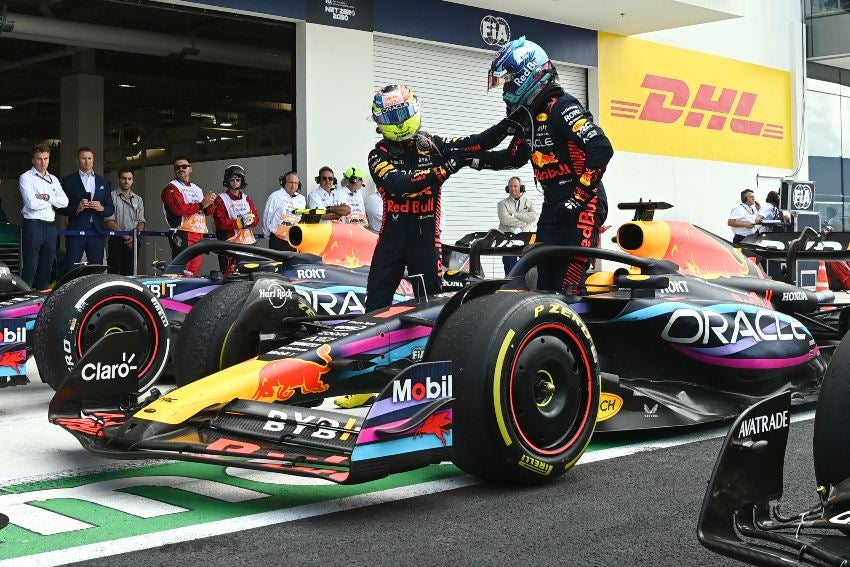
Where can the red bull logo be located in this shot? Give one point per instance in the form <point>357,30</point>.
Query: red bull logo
<point>540,159</point>
<point>279,379</point>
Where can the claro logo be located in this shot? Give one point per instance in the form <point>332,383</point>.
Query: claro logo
<point>100,371</point>
<point>671,101</point>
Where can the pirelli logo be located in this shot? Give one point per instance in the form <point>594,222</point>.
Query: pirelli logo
<point>713,107</point>
<point>535,466</point>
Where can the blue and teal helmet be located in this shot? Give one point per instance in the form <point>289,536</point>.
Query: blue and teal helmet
<point>523,69</point>
<point>395,109</point>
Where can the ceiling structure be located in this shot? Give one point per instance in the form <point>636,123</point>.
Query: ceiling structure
<point>622,17</point>
<point>223,82</point>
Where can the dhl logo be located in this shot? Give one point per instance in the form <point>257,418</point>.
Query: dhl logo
<point>669,101</point>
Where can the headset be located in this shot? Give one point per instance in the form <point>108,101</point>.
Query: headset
<point>521,186</point>
<point>318,177</point>
<point>282,179</point>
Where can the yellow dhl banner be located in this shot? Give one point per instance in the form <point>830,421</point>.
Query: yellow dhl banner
<point>657,99</point>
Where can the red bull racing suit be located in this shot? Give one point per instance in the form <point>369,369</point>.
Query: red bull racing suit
<point>569,153</point>
<point>409,176</point>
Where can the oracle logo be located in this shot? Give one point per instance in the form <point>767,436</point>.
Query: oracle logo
<point>670,101</point>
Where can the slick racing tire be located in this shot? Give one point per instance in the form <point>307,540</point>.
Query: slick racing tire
<point>526,386</point>
<point>84,310</point>
<point>206,345</point>
<point>832,420</point>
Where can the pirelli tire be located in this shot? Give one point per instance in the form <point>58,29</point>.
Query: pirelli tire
<point>206,344</point>
<point>81,312</point>
<point>830,448</point>
<point>526,386</point>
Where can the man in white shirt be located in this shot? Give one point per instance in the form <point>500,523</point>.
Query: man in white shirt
<point>351,194</point>
<point>324,197</point>
<point>516,214</point>
<point>375,211</point>
<point>742,218</point>
<point>279,213</point>
<point>42,194</point>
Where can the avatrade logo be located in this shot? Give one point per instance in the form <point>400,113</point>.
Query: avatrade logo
<point>407,390</point>
<point>670,101</point>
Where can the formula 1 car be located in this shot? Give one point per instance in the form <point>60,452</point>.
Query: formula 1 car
<point>741,515</point>
<point>502,379</point>
<point>328,276</point>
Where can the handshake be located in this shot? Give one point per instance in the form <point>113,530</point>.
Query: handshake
<point>245,220</point>
<point>457,159</point>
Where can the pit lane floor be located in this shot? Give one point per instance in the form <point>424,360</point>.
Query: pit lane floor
<point>629,502</point>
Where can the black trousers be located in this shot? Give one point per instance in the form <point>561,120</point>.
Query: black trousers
<point>119,256</point>
<point>392,256</point>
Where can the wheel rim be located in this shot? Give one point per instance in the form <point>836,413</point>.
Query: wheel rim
<point>550,389</point>
<point>117,314</point>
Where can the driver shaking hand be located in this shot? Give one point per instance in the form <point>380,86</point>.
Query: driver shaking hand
<point>409,168</point>
<point>568,151</point>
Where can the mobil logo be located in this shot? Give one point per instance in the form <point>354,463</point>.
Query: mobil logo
<point>416,390</point>
<point>672,100</point>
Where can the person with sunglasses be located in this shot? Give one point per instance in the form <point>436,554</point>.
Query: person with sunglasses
<point>186,209</point>
<point>42,194</point>
<point>325,197</point>
<point>351,194</point>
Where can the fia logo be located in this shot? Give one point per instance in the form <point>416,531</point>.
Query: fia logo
<point>802,196</point>
<point>495,30</point>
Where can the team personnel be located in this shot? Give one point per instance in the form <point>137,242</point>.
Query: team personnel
<point>186,207</point>
<point>129,214</point>
<point>516,214</point>
<point>351,194</point>
<point>325,197</point>
<point>743,218</point>
<point>409,168</point>
<point>568,151</point>
<point>234,214</point>
<point>280,214</point>
<point>42,194</point>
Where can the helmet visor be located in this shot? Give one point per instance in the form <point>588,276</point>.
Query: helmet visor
<point>497,79</point>
<point>396,114</point>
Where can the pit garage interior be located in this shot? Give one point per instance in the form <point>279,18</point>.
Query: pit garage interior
<point>141,82</point>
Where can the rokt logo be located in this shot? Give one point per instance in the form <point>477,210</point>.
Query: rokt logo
<point>656,108</point>
<point>100,371</point>
<point>495,30</point>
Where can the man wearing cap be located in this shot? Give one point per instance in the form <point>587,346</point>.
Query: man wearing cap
<point>351,194</point>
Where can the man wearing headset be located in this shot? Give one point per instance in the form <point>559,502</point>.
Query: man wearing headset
<point>325,197</point>
<point>235,214</point>
<point>279,213</point>
<point>743,218</point>
<point>351,194</point>
<point>516,214</point>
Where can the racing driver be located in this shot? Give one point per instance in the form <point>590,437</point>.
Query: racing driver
<point>568,152</point>
<point>409,167</point>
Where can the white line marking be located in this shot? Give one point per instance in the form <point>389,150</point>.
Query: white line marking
<point>220,527</point>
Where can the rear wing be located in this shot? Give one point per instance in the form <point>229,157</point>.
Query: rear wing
<point>465,254</point>
<point>793,246</point>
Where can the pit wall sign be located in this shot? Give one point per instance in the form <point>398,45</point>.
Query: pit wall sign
<point>663,100</point>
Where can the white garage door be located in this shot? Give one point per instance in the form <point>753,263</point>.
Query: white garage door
<point>451,84</point>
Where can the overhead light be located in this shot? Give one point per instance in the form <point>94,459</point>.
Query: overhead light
<point>126,86</point>
<point>226,124</point>
<point>6,107</point>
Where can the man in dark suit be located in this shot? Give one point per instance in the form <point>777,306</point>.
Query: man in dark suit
<point>89,202</point>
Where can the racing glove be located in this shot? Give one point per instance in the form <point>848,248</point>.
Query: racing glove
<point>458,159</point>
<point>245,220</point>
